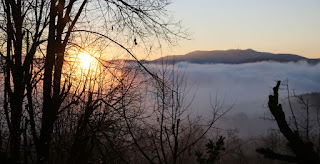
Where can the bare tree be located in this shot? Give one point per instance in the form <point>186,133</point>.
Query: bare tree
<point>168,129</point>
<point>302,147</point>
<point>37,36</point>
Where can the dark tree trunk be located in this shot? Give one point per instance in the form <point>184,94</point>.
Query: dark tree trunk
<point>14,66</point>
<point>48,109</point>
<point>304,151</point>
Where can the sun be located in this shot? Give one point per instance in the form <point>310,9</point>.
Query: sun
<point>86,60</point>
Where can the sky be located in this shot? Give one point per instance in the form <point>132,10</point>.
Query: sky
<point>277,26</point>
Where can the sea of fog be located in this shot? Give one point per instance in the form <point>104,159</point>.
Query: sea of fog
<point>245,87</point>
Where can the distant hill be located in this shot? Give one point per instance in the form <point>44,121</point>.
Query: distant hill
<point>233,57</point>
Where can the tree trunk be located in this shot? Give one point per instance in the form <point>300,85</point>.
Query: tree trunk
<point>49,106</point>
<point>14,32</point>
<point>304,151</point>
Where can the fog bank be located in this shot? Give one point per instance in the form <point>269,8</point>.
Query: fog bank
<point>246,87</point>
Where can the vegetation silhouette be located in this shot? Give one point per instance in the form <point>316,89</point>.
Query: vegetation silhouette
<point>56,110</point>
<point>303,150</point>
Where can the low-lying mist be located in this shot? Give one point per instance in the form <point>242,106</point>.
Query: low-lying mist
<point>246,87</point>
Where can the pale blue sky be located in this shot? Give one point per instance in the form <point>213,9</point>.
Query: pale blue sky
<point>278,26</point>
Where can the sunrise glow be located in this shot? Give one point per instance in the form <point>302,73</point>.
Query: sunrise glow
<point>87,60</point>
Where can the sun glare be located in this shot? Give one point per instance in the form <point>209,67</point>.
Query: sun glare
<point>86,60</point>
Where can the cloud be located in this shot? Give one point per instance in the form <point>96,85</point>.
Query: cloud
<point>246,87</point>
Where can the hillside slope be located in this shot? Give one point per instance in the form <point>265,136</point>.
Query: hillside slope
<point>234,57</point>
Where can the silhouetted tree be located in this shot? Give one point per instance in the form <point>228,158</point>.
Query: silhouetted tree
<point>303,150</point>
<point>36,36</point>
<point>169,131</point>
<point>213,151</point>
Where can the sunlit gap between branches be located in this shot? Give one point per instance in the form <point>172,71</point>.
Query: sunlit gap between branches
<point>88,70</point>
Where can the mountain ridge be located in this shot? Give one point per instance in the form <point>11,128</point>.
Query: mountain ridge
<point>233,56</point>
